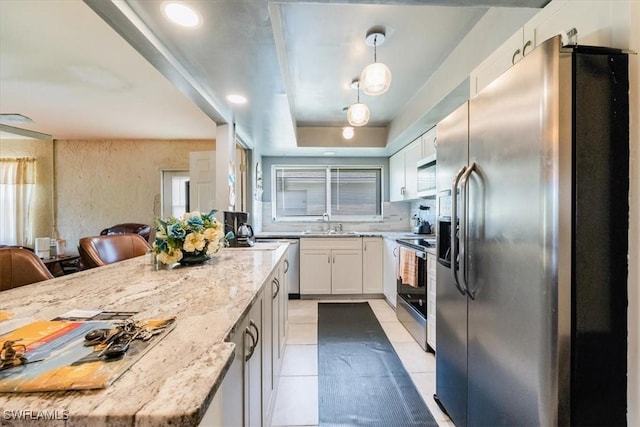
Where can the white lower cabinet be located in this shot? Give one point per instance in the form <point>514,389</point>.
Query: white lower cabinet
<point>346,271</point>
<point>275,299</point>
<point>315,271</point>
<point>270,314</point>
<point>372,265</point>
<point>247,394</point>
<point>238,401</point>
<point>431,301</point>
<point>390,286</point>
<point>283,298</point>
<point>275,330</point>
<point>253,366</point>
<point>330,266</point>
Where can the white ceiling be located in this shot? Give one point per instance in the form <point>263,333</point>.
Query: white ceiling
<point>66,65</point>
<point>62,66</point>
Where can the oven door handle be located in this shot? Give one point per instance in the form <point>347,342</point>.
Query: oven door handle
<point>454,230</point>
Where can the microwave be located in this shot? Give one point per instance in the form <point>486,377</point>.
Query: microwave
<point>427,177</point>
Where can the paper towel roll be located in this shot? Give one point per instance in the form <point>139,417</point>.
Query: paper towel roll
<point>42,246</point>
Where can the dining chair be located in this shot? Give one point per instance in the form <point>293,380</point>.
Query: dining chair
<point>101,250</point>
<point>130,227</point>
<point>19,267</point>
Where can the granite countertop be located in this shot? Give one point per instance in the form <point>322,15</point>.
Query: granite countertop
<point>298,234</point>
<point>175,381</point>
<point>392,235</point>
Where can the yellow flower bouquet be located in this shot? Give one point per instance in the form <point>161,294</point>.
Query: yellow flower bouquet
<point>191,239</point>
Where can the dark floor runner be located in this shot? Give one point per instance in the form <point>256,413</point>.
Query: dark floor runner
<point>361,380</point>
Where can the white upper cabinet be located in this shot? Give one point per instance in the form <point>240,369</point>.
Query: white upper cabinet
<point>403,172</point>
<point>498,62</point>
<point>412,156</point>
<point>591,20</point>
<point>429,144</point>
<point>396,177</point>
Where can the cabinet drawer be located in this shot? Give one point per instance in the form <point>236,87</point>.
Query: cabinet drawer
<point>331,243</point>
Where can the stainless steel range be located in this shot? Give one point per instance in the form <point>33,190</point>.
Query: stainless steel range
<point>411,308</point>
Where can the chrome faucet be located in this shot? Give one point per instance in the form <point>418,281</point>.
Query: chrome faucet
<point>328,220</point>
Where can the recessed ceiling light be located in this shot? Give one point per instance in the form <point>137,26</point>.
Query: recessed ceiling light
<point>181,14</point>
<point>236,99</point>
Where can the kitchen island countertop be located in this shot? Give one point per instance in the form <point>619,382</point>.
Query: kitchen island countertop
<point>175,381</point>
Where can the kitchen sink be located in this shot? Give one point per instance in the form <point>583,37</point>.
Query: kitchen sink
<point>258,246</point>
<point>329,233</point>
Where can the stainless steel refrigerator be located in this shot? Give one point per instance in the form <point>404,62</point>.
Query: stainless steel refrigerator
<point>532,182</point>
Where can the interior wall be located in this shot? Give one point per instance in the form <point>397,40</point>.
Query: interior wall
<point>42,151</point>
<point>100,183</point>
<point>254,187</point>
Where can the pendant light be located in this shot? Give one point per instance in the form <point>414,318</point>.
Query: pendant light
<point>348,132</point>
<point>358,114</point>
<point>376,77</point>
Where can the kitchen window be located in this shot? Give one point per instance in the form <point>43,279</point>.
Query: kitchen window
<point>346,193</point>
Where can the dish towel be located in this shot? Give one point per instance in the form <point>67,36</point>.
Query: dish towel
<point>408,267</point>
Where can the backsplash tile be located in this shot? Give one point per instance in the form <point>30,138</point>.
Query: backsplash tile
<point>396,217</point>
<point>424,214</point>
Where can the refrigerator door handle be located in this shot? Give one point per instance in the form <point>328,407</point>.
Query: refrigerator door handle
<point>454,227</point>
<point>464,227</point>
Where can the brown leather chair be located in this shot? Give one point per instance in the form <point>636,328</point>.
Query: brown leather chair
<point>19,267</point>
<point>107,249</point>
<point>142,229</point>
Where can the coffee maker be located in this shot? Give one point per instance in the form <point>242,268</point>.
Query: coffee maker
<point>238,224</point>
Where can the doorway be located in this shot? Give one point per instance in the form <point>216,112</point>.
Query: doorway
<point>175,193</point>
<point>241,178</point>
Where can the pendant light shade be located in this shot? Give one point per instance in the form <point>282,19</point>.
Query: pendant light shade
<point>376,77</point>
<point>348,132</point>
<point>358,114</point>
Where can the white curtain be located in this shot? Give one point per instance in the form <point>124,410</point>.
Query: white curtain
<point>17,187</point>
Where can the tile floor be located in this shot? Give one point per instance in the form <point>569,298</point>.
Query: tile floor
<point>297,400</point>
